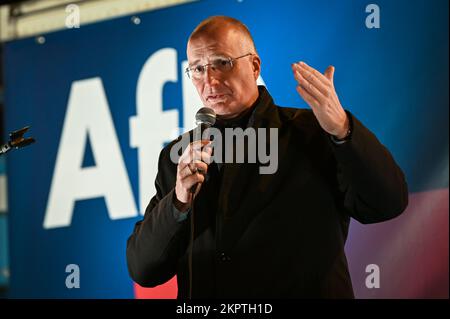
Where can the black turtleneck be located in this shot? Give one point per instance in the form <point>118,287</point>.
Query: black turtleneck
<point>239,121</point>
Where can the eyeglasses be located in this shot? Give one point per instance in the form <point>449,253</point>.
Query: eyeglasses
<point>220,64</point>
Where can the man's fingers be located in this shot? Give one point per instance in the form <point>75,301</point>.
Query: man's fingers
<point>191,180</point>
<point>192,168</point>
<point>197,152</point>
<point>312,102</point>
<point>197,145</point>
<point>193,151</point>
<point>311,78</point>
<point>198,166</point>
<point>310,88</point>
<point>208,149</point>
<point>203,156</point>
<point>329,74</point>
<point>319,75</point>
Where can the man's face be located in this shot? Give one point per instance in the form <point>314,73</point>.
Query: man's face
<point>227,93</point>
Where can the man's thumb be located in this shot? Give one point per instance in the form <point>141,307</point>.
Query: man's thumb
<point>329,73</point>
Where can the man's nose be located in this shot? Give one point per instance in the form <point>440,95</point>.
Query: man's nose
<point>211,76</point>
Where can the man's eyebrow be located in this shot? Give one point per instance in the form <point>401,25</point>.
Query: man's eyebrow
<point>195,62</point>
<point>218,55</point>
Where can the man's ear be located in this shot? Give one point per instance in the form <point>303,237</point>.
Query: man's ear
<point>256,65</point>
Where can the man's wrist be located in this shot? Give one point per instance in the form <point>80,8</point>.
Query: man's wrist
<point>345,132</point>
<point>345,136</point>
<point>180,206</point>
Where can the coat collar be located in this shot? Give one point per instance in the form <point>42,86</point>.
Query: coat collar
<point>265,112</point>
<point>261,114</point>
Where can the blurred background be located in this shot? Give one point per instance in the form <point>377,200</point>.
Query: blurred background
<point>101,84</point>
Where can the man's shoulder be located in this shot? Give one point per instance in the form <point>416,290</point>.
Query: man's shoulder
<point>289,113</point>
<point>303,119</point>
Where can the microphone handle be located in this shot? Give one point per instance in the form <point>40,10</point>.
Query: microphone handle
<point>194,187</point>
<point>198,136</point>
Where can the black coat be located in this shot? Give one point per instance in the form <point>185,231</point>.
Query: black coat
<point>278,235</point>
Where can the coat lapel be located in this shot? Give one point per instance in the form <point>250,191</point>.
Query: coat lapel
<point>240,197</point>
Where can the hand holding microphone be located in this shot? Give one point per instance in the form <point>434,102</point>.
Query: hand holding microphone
<point>193,163</point>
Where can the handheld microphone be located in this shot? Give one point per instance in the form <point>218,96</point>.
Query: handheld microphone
<point>204,119</point>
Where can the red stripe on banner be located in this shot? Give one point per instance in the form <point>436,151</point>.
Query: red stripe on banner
<point>168,290</point>
<point>411,250</point>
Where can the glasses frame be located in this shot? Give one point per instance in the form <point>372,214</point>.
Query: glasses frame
<point>230,60</point>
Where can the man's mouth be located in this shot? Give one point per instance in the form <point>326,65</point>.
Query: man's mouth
<point>215,97</point>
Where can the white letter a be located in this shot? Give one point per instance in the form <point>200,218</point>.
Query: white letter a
<point>88,115</point>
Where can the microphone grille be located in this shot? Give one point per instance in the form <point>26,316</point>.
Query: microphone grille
<point>206,116</point>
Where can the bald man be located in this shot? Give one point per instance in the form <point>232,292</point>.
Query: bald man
<point>244,234</point>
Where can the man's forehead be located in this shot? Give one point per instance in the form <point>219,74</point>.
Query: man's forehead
<point>209,42</point>
<point>201,52</point>
<point>206,46</point>
<point>208,52</point>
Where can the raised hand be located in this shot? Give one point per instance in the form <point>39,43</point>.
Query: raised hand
<point>318,91</point>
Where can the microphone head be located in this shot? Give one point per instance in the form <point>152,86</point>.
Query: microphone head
<point>205,116</point>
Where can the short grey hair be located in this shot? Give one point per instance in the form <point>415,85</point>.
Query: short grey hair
<point>215,23</point>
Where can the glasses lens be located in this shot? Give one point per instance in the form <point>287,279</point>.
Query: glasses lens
<point>199,69</point>
<point>222,65</point>
<point>196,71</point>
<point>219,64</point>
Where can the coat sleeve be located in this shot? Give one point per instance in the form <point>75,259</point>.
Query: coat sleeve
<point>154,247</point>
<point>373,184</point>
